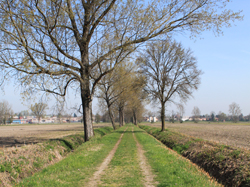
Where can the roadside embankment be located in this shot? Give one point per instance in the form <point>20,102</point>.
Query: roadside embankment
<point>17,163</point>
<point>229,165</point>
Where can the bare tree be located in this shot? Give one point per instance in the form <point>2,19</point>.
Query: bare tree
<point>55,45</point>
<point>171,72</point>
<point>181,111</point>
<point>235,111</point>
<point>196,114</point>
<point>38,109</point>
<point>6,112</point>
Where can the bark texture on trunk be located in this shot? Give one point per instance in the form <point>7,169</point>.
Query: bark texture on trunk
<point>135,117</point>
<point>111,117</point>
<point>123,119</point>
<point>87,111</point>
<point>121,116</point>
<point>86,95</point>
<point>162,116</point>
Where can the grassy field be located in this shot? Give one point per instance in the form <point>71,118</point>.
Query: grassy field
<point>169,168</point>
<point>233,134</point>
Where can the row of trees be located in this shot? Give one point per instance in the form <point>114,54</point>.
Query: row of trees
<point>164,73</point>
<point>61,44</point>
<point>234,114</point>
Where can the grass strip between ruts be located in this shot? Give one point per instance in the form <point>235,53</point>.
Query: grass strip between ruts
<point>78,166</point>
<point>170,168</point>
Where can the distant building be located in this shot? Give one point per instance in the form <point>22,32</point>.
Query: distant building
<point>151,119</point>
<point>185,118</point>
<point>19,121</point>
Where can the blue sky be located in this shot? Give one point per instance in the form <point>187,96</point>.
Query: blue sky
<point>225,61</point>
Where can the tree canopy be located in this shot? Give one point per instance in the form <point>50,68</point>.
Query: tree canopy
<point>55,45</point>
<point>171,73</point>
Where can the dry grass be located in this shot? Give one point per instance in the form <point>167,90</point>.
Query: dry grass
<point>20,162</point>
<point>236,135</point>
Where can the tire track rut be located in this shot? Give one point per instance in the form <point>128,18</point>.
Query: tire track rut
<point>145,167</point>
<point>95,179</point>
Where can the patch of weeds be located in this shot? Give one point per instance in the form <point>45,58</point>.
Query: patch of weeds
<point>222,147</point>
<point>198,140</point>
<point>37,164</point>
<point>21,162</point>
<point>6,167</point>
<point>18,169</point>
<point>50,158</point>
<point>49,147</point>
<point>2,168</point>
<point>180,148</point>
<point>235,153</point>
<point>220,157</point>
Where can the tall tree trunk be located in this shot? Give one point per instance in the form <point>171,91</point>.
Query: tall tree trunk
<point>86,92</point>
<point>111,117</point>
<point>121,116</point>
<point>123,121</point>
<point>162,116</point>
<point>135,117</point>
<point>87,111</point>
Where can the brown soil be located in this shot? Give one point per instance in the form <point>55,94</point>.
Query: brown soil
<point>145,167</point>
<point>95,179</point>
<point>236,135</point>
<point>17,135</point>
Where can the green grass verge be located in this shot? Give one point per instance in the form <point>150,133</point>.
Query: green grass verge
<point>79,165</point>
<point>124,169</point>
<point>230,166</point>
<point>170,168</point>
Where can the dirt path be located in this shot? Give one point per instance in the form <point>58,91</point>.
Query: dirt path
<point>145,167</point>
<point>93,181</point>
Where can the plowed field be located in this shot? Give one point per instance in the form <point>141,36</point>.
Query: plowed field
<point>237,135</point>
